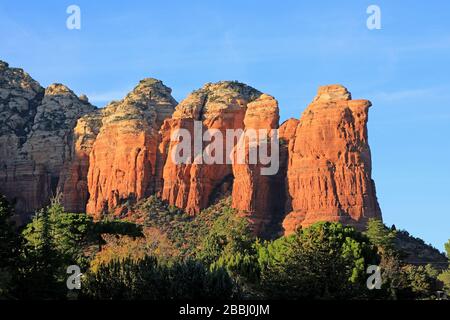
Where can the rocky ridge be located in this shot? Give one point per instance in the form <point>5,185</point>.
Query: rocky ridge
<point>101,159</point>
<point>36,132</point>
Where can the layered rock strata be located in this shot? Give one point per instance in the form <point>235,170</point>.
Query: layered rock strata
<point>102,159</point>
<point>123,158</point>
<point>219,106</point>
<point>36,133</point>
<point>329,163</point>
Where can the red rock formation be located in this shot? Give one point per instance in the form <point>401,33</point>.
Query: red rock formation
<point>329,169</point>
<point>219,106</point>
<point>74,185</point>
<point>257,196</point>
<point>123,152</point>
<point>122,163</point>
<point>286,134</point>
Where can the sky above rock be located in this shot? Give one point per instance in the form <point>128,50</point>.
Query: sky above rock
<point>284,49</point>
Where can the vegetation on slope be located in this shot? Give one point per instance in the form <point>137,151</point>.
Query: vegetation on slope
<point>162,253</point>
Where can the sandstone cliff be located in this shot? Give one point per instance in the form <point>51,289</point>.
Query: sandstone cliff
<point>257,196</point>
<point>74,184</point>
<point>122,160</point>
<point>102,159</point>
<point>329,166</point>
<point>35,137</point>
<point>195,185</point>
<point>219,106</point>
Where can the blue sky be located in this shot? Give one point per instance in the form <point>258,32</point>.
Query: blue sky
<point>284,48</point>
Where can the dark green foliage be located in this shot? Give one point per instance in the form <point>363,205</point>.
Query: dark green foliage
<point>147,279</point>
<point>421,281</point>
<point>394,279</point>
<point>402,282</point>
<point>406,281</point>
<point>116,227</point>
<point>404,274</point>
<point>324,261</point>
<point>229,233</point>
<point>9,239</point>
<point>380,235</point>
<point>219,258</point>
<point>42,266</point>
<point>231,245</point>
<point>10,243</point>
<point>55,240</point>
<point>216,236</point>
<point>444,277</point>
<point>66,234</point>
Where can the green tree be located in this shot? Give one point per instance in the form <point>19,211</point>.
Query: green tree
<point>230,244</point>
<point>67,233</point>
<point>149,279</point>
<point>42,268</point>
<point>324,261</point>
<point>394,279</point>
<point>444,277</point>
<point>400,280</point>
<point>395,283</point>
<point>421,281</point>
<point>380,235</point>
<point>55,240</point>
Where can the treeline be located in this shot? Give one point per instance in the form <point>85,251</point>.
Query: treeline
<point>324,261</point>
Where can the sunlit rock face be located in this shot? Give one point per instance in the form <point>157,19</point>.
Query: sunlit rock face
<point>218,106</point>
<point>123,158</point>
<point>102,159</point>
<point>329,166</point>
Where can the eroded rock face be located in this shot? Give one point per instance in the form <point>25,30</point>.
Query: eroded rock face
<point>286,134</point>
<point>102,158</point>
<point>49,142</point>
<point>329,166</point>
<point>219,106</point>
<point>35,137</point>
<point>122,160</point>
<point>257,196</point>
<point>287,129</point>
<point>74,184</point>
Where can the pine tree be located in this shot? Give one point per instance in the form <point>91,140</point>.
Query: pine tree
<point>41,269</point>
<point>380,235</point>
<point>326,260</point>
